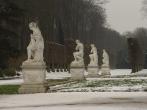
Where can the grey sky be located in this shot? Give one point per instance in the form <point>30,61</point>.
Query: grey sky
<point>125,15</point>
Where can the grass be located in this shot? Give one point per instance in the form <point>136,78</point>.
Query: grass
<point>108,83</point>
<point>13,89</point>
<point>53,82</point>
<point>127,82</point>
<point>9,89</point>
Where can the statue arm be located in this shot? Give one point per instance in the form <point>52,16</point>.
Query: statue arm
<point>91,51</point>
<point>33,36</point>
<point>77,47</point>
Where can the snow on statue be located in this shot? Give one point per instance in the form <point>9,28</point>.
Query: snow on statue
<point>35,48</point>
<point>105,58</point>
<point>93,56</point>
<point>78,55</point>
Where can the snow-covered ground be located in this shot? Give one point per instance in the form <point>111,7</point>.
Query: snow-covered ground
<point>52,75</point>
<point>116,72</point>
<point>57,75</point>
<point>75,101</point>
<point>11,82</point>
<point>62,75</point>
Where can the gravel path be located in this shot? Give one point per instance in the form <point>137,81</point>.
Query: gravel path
<point>75,101</point>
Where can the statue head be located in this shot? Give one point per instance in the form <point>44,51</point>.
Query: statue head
<point>77,41</point>
<point>104,52</point>
<point>92,45</point>
<point>33,25</point>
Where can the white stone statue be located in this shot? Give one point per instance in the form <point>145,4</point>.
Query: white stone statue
<point>35,48</point>
<point>34,68</point>
<point>78,55</point>
<point>105,58</point>
<point>93,56</point>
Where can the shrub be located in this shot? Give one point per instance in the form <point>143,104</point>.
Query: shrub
<point>9,72</point>
<point>1,73</point>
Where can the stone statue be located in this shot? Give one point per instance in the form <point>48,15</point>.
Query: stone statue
<point>34,68</point>
<point>78,55</point>
<point>93,68</point>
<point>93,56</point>
<point>105,58</point>
<point>35,48</point>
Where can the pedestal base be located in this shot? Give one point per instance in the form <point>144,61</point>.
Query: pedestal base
<point>34,79</point>
<point>77,73</point>
<point>33,88</point>
<point>93,71</point>
<point>105,71</point>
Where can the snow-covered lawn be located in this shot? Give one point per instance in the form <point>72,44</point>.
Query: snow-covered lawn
<point>106,85</point>
<point>63,75</point>
<point>117,72</point>
<point>11,82</point>
<point>57,75</point>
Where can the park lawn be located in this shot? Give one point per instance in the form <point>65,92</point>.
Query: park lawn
<point>13,89</point>
<point>108,83</point>
<point>9,89</point>
<point>53,82</point>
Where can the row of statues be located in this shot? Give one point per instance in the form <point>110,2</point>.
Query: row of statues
<point>34,68</point>
<point>36,47</point>
<point>79,54</point>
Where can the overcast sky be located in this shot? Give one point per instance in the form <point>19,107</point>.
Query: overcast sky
<point>125,15</point>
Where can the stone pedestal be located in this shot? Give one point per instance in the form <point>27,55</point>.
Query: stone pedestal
<point>105,71</point>
<point>93,71</point>
<point>34,79</point>
<point>77,73</point>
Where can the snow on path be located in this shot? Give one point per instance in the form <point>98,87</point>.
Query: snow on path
<point>75,101</point>
<point>11,82</point>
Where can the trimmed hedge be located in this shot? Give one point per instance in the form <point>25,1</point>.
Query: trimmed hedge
<point>9,72</point>
<point>1,73</point>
